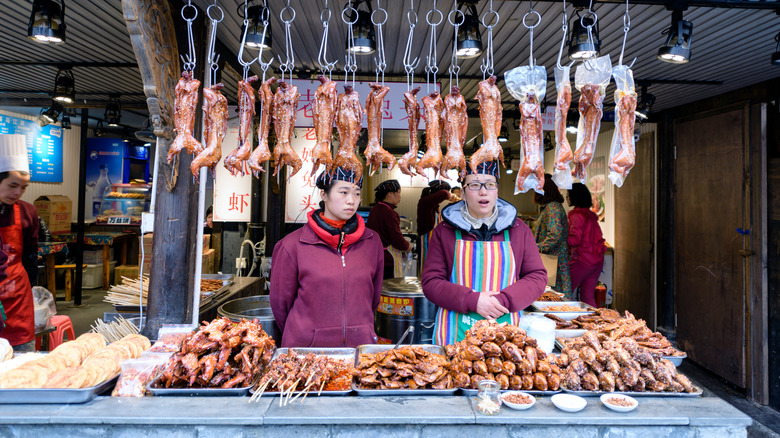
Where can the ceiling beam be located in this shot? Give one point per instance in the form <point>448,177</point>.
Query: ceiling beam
<point>727,4</point>
<point>46,102</point>
<point>69,64</point>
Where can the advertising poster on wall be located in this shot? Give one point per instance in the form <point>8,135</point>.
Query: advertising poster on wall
<point>104,168</point>
<point>44,147</point>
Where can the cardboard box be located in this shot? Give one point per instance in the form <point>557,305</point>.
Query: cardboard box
<point>93,257</point>
<point>56,210</point>
<point>129,271</point>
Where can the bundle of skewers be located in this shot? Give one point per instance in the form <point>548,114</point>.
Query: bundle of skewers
<point>291,374</point>
<point>114,330</point>
<point>128,292</point>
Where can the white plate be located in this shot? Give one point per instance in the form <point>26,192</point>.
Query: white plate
<point>518,406</point>
<point>568,402</point>
<point>616,408</point>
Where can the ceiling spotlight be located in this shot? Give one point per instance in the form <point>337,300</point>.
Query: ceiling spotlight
<point>364,35</point>
<point>99,130</point>
<point>645,105</point>
<point>50,115</point>
<point>113,112</point>
<point>580,45</point>
<point>65,122</point>
<point>509,171</point>
<point>776,55</point>
<point>64,86</point>
<point>503,135</point>
<point>572,120</point>
<point>469,38</point>
<point>258,36</point>
<point>47,21</point>
<point>677,48</point>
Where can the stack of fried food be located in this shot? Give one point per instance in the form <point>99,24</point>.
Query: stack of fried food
<point>407,367</point>
<point>595,362</point>
<point>611,325</point>
<point>81,363</point>
<point>505,354</point>
<point>219,355</point>
<point>290,373</point>
<point>550,295</point>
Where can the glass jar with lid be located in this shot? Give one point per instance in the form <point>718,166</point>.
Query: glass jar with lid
<point>489,397</point>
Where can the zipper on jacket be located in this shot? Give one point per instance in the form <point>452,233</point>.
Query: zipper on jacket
<point>339,249</point>
<point>343,291</point>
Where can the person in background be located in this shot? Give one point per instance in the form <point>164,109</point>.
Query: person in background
<point>456,194</point>
<point>208,226</point>
<point>326,277</point>
<point>552,231</point>
<point>586,244</point>
<point>428,205</point>
<point>385,221</point>
<point>19,233</point>
<point>482,260</point>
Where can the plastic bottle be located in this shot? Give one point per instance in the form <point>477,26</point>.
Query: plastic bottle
<point>102,184</point>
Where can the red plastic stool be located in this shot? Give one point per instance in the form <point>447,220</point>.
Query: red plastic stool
<point>64,327</point>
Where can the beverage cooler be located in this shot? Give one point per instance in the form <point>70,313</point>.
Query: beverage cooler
<point>112,164</point>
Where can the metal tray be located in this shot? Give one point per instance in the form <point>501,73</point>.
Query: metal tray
<point>378,348</point>
<point>539,307</point>
<point>345,354</point>
<point>49,396</point>
<point>638,394</point>
<point>676,360</point>
<point>474,392</point>
<point>196,392</point>
<point>569,333</point>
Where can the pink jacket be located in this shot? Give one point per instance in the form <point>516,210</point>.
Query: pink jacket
<point>323,299</point>
<point>531,275</point>
<point>586,243</point>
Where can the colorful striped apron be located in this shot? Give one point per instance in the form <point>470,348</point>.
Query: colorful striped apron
<point>425,238</point>
<point>398,261</point>
<point>481,266</point>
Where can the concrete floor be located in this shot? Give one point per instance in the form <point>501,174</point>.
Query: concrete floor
<point>92,308</point>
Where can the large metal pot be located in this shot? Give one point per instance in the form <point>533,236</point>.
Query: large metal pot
<point>257,307</point>
<point>403,304</point>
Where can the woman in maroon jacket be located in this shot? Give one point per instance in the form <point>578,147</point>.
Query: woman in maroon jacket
<point>385,221</point>
<point>586,244</point>
<point>326,278</point>
<point>482,261</point>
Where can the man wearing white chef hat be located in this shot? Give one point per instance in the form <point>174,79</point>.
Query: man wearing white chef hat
<point>19,233</point>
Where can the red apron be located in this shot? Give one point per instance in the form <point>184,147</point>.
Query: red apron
<point>15,292</point>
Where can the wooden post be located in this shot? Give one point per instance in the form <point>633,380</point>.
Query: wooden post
<point>154,38</point>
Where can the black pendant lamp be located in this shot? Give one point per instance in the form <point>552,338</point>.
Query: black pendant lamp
<point>677,48</point>
<point>50,114</point>
<point>64,86</point>
<point>580,47</point>
<point>364,40</point>
<point>255,39</point>
<point>503,134</point>
<point>469,37</point>
<point>113,113</point>
<point>47,21</point>
<point>776,55</point>
<point>65,122</point>
<point>645,105</point>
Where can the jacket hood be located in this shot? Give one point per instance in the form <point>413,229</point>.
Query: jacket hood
<point>506,216</point>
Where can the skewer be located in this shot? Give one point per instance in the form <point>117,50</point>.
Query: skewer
<point>321,386</point>
<point>256,396</point>
<point>304,391</point>
<point>292,389</point>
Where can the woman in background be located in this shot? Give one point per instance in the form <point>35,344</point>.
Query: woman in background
<point>586,244</point>
<point>552,232</point>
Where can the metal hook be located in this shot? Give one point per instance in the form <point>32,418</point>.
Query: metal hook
<point>189,60</point>
<point>322,57</point>
<point>350,60</point>
<point>454,67</point>
<point>409,64</point>
<point>626,27</point>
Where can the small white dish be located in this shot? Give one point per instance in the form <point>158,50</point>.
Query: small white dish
<point>568,402</point>
<point>617,408</point>
<point>518,406</point>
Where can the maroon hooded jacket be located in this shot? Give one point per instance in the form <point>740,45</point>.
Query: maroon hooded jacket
<point>322,296</point>
<point>531,274</point>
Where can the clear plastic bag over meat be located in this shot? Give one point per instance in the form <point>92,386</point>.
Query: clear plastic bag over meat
<point>591,79</point>
<point>622,153</point>
<point>528,85</point>
<point>563,154</point>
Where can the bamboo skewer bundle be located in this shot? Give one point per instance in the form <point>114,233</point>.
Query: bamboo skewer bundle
<point>114,330</point>
<point>127,293</point>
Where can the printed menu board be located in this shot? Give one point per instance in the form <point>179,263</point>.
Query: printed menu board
<point>44,147</point>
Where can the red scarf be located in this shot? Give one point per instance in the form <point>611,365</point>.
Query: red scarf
<point>333,239</point>
<point>335,223</point>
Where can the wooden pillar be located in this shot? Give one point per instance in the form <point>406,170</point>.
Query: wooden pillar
<point>154,37</point>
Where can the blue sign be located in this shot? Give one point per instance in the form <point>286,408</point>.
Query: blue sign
<point>104,168</point>
<point>44,147</point>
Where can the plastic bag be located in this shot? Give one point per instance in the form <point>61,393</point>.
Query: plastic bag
<point>622,153</point>
<point>591,79</point>
<point>563,154</point>
<point>44,307</point>
<point>528,85</point>
<point>170,337</point>
<point>136,374</point>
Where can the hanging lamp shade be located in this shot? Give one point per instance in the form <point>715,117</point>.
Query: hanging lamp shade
<point>65,122</point>
<point>677,48</point>
<point>51,114</point>
<point>776,55</point>
<point>258,21</point>
<point>469,37</point>
<point>503,134</point>
<point>64,86</point>
<point>113,114</point>
<point>47,21</point>
<point>580,47</point>
<point>364,40</point>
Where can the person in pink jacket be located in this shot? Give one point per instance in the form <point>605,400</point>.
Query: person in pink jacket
<point>326,278</point>
<point>483,262</point>
<point>586,244</point>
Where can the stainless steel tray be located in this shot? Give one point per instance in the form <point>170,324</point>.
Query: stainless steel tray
<point>195,392</point>
<point>638,394</point>
<point>345,354</point>
<point>539,309</point>
<point>49,396</point>
<point>473,392</point>
<point>676,360</point>
<point>208,297</point>
<point>378,348</point>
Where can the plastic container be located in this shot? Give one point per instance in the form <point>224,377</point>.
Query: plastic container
<point>93,275</point>
<point>489,397</point>
<point>136,374</point>
<point>540,328</point>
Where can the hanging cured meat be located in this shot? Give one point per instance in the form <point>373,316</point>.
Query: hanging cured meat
<point>622,154</point>
<point>375,154</point>
<point>456,123</point>
<point>591,101</point>
<point>490,113</point>
<point>236,160</point>
<point>433,107</point>
<point>349,117</point>
<point>215,120</point>
<point>184,116</point>
<point>531,140</point>
<point>284,110</point>
<point>324,107</point>
<point>563,153</point>
<point>408,160</point>
<point>261,153</point>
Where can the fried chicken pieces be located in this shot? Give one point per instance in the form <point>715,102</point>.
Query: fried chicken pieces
<point>219,355</point>
<point>407,367</point>
<point>505,354</point>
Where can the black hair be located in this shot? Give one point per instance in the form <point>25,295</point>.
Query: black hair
<point>210,210</point>
<point>455,188</point>
<point>551,192</point>
<point>425,192</point>
<point>382,194</point>
<point>579,195</point>
<point>6,174</point>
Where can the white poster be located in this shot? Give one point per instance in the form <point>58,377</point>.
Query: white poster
<point>302,194</point>
<point>393,112</point>
<point>232,194</point>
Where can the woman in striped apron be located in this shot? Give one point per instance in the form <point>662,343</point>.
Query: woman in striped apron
<point>482,261</point>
